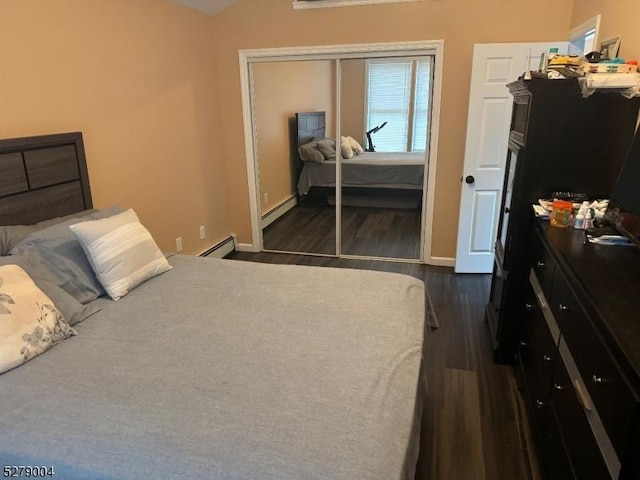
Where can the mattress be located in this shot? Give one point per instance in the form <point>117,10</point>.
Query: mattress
<point>371,169</point>
<point>223,369</point>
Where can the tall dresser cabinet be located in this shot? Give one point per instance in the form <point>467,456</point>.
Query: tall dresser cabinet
<point>565,312</point>
<point>559,142</point>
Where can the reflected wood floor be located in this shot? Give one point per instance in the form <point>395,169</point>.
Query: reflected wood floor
<point>472,427</point>
<point>366,231</point>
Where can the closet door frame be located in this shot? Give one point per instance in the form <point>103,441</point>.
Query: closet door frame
<point>433,48</point>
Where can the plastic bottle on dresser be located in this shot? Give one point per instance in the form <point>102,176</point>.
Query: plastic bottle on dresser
<point>580,216</point>
<point>588,220</point>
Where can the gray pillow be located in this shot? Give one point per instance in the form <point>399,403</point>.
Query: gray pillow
<point>310,154</point>
<point>58,248</point>
<point>327,147</point>
<point>72,310</point>
<point>12,235</point>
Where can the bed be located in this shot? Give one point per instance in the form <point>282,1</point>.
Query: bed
<point>214,369</point>
<point>370,170</point>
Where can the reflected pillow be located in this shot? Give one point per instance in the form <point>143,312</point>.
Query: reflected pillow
<point>327,147</point>
<point>71,309</point>
<point>345,148</point>
<point>355,146</point>
<point>29,322</point>
<point>121,251</point>
<point>310,154</point>
<point>58,248</point>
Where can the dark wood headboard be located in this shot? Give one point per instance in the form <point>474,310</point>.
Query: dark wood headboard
<point>310,125</point>
<point>42,177</point>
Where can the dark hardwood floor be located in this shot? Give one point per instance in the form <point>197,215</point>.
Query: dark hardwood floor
<point>472,426</point>
<point>366,231</point>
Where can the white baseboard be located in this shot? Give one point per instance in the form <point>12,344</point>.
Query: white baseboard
<point>221,249</point>
<point>442,261</point>
<point>246,247</point>
<point>275,213</point>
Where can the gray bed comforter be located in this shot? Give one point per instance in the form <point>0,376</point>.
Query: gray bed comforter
<point>381,170</point>
<point>222,369</point>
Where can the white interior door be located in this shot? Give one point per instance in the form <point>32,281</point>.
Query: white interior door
<point>490,105</point>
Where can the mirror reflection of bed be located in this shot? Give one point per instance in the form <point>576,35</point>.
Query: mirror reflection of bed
<point>381,196</point>
<point>381,191</point>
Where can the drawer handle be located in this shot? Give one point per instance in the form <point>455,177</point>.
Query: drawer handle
<point>599,380</point>
<point>541,300</point>
<point>528,307</point>
<point>524,344</point>
<point>547,358</point>
<point>563,307</point>
<point>558,387</point>
<point>540,264</point>
<point>539,404</point>
<point>581,396</point>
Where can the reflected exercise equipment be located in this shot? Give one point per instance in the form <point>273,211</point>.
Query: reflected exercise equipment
<point>371,147</point>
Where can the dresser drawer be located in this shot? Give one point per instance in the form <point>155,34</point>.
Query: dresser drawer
<point>538,352</point>
<point>556,459</point>
<point>584,453</point>
<point>614,400</point>
<point>543,266</point>
<point>543,348</point>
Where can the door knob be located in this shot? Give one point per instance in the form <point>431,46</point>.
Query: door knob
<point>470,180</point>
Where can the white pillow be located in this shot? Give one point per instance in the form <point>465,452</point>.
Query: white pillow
<point>30,324</point>
<point>345,148</point>
<point>355,146</point>
<point>121,252</point>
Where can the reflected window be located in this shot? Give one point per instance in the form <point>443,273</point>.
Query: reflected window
<point>589,38</point>
<point>397,107</point>
<point>582,39</point>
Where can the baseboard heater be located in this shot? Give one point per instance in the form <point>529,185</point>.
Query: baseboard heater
<point>279,210</point>
<point>222,249</point>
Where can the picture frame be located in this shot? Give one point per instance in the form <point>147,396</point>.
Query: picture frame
<point>609,48</point>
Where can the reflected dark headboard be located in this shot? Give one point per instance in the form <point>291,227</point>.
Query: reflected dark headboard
<point>309,125</point>
<point>42,177</point>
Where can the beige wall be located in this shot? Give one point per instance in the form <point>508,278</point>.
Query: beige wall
<point>619,18</point>
<point>352,98</point>
<point>154,87</point>
<point>138,79</point>
<point>282,89</point>
<point>248,24</point>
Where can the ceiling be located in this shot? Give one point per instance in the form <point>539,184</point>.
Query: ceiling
<point>210,7</point>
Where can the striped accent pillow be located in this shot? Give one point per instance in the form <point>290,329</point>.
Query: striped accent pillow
<point>121,252</point>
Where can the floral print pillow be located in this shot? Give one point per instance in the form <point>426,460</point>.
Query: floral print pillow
<point>30,324</point>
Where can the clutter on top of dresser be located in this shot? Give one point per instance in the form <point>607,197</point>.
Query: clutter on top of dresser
<point>594,72</point>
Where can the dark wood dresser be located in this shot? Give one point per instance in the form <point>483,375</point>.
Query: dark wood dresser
<point>579,355</point>
<point>559,142</point>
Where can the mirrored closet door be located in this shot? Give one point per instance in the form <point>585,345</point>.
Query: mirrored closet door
<point>341,147</point>
<point>384,108</point>
<point>294,219</point>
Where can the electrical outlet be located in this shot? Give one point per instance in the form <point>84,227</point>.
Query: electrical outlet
<point>202,232</point>
<point>266,198</point>
<point>179,244</point>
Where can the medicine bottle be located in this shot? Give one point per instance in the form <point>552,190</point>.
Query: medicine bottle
<point>588,220</point>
